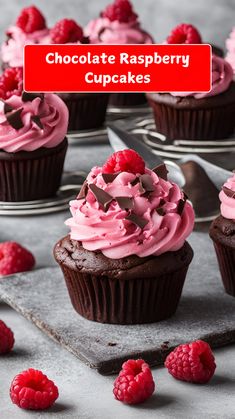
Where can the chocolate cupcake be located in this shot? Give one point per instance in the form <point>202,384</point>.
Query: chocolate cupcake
<point>126,259</point>
<point>196,116</point>
<point>32,146</point>
<point>119,24</point>
<point>222,232</point>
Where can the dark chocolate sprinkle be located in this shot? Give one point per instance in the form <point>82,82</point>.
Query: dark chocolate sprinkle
<point>103,198</point>
<point>180,207</point>
<point>109,177</point>
<point>160,211</point>
<point>36,119</point>
<point>14,119</point>
<point>125,202</point>
<point>146,183</point>
<point>161,171</point>
<point>83,191</point>
<point>137,220</point>
<point>229,192</point>
<point>29,97</point>
<point>7,108</point>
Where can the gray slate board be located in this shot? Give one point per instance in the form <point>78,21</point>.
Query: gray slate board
<point>205,312</point>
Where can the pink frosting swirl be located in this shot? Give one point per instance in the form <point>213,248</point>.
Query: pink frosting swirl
<point>222,76</point>
<point>53,115</point>
<point>230,45</point>
<point>114,235</point>
<point>103,31</point>
<point>227,206</point>
<point>12,49</point>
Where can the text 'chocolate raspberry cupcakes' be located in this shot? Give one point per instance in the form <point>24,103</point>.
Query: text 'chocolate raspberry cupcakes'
<point>33,141</point>
<point>126,258</point>
<point>222,232</point>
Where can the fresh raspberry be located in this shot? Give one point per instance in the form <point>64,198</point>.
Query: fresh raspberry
<point>6,338</point>
<point>31,20</point>
<point>11,82</point>
<point>184,34</point>
<point>65,31</point>
<point>193,362</point>
<point>134,383</point>
<point>32,390</point>
<point>120,10</point>
<point>15,258</point>
<point>124,161</point>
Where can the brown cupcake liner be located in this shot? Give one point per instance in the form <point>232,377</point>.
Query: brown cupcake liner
<point>86,111</point>
<point>194,124</point>
<point>28,176</point>
<point>133,301</point>
<point>226,260</point>
<point>127,99</point>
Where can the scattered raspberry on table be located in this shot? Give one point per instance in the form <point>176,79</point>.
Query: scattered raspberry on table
<point>6,338</point>
<point>32,390</point>
<point>193,362</point>
<point>124,161</point>
<point>15,258</point>
<point>134,383</point>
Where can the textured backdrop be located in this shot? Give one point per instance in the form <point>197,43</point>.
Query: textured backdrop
<point>215,18</point>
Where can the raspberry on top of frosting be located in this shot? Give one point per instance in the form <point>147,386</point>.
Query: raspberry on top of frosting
<point>11,82</point>
<point>184,34</point>
<point>222,76</point>
<point>31,20</point>
<point>117,24</point>
<point>227,198</point>
<point>32,121</point>
<point>66,31</point>
<point>126,213</point>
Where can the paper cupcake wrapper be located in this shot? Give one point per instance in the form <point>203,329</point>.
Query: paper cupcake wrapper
<point>134,301</point>
<point>226,260</point>
<point>127,99</point>
<point>194,124</point>
<point>27,176</point>
<point>86,112</point>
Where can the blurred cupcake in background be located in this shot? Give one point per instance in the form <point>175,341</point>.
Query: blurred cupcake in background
<point>33,140</point>
<point>194,116</point>
<point>185,33</point>
<point>30,28</point>
<point>230,45</point>
<point>119,24</point>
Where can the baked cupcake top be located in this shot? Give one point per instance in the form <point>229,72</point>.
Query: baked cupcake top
<point>222,76</point>
<point>30,28</point>
<point>117,24</point>
<point>31,121</point>
<point>227,198</point>
<point>127,209</point>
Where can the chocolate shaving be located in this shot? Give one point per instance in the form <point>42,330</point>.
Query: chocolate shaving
<point>109,177</point>
<point>7,108</point>
<point>185,196</point>
<point>146,183</point>
<point>125,202</point>
<point>180,207</point>
<point>14,119</point>
<point>161,171</point>
<point>36,119</point>
<point>135,181</point>
<point>137,220</point>
<point>29,97</point>
<point>160,211</point>
<point>83,191</point>
<point>103,198</point>
<point>229,192</point>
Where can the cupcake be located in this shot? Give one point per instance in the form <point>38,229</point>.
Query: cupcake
<point>196,116</point>
<point>30,28</point>
<point>126,257</point>
<point>188,34</point>
<point>86,110</point>
<point>119,24</point>
<point>222,232</point>
<point>32,143</point>
<point>230,45</point>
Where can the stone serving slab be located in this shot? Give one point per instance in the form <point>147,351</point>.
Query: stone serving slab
<point>205,312</point>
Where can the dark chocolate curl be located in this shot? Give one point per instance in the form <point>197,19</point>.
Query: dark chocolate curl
<point>180,207</point>
<point>146,183</point>
<point>103,198</point>
<point>161,171</point>
<point>229,192</point>
<point>137,220</point>
<point>160,211</point>
<point>7,108</point>
<point>83,191</point>
<point>109,177</point>
<point>36,119</point>
<point>14,119</point>
<point>29,97</point>
<point>125,202</point>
